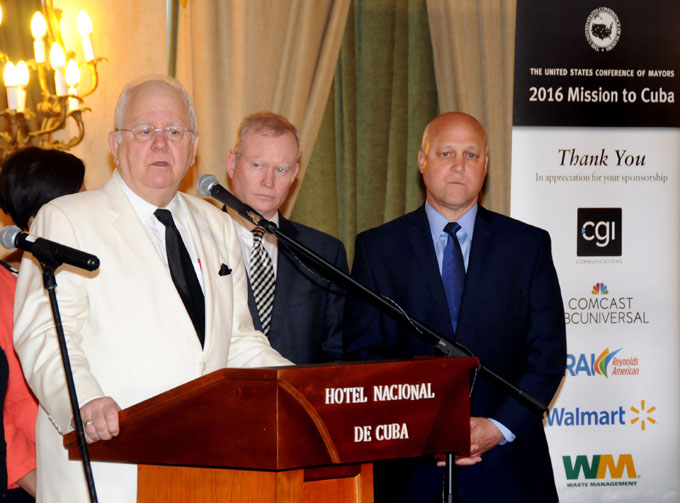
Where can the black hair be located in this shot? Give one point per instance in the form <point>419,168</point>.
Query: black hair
<point>34,176</point>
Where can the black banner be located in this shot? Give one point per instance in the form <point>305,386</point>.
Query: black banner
<point>615,73</point>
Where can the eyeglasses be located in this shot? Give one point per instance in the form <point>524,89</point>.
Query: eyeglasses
<point>145,133</point>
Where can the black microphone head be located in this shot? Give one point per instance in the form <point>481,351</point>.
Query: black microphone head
<point>205,183</point>
<point>8,236</point>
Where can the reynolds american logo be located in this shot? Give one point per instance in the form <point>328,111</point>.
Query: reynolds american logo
<point>607,363</point>
<point>601,308</point>
<point>599,232</point>
<point>600,470</point>
<point>637,416</point>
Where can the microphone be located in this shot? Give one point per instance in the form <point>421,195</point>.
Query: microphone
<point>46,251</point>
<point>210,187</point>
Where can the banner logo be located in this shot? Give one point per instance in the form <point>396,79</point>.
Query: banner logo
<point>603,309</point>
<point>599,232</point>
<point>603,29</point>
<point>639,417</point>
<point>602,466</point>
<point>606,364</point>
<point>643,415</point>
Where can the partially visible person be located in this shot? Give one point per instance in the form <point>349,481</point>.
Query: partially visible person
<point>4,377</point>
<point>486,281</point>
<point>167,305</point>
<point>299,311</point>
<point>29,178</point>
<point>32,177</point>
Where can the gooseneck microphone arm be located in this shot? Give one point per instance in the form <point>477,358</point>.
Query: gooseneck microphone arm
<point>209,186</point>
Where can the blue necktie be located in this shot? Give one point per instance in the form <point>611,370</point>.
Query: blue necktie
<point>453,272</point>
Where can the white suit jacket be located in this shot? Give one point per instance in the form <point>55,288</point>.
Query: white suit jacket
<point>128,332</point>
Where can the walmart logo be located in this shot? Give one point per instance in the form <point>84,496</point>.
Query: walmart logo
<point>638,416</point>
<point>643,415</point>
<point>601,466</point>
<point>600,289</point>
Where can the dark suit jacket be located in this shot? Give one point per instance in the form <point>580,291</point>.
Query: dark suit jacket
<point>306,324</point>
<point>511,316</point>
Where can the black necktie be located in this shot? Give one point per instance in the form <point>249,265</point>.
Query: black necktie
<point>453,272</point>
<point>183,273</point>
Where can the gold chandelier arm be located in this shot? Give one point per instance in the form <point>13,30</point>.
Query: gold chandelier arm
<point>94,76</point>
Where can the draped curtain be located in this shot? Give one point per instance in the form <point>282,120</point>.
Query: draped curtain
<point>245,56</point>
<point>363,170</point>
<point>403,62</point>
<point>474,47</point>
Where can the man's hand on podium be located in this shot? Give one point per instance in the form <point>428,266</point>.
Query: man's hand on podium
<point>100,419</point>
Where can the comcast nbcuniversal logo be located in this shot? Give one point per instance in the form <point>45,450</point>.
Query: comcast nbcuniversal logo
<point>602,308</point>
<point>600,289</point>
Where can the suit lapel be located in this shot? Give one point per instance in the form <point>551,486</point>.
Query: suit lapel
<point>285,276</point>
<point>474,278</point>
<point>420,239</point>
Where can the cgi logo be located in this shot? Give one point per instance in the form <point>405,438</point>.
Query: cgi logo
<point>599,232</point>
<point>599,467</point>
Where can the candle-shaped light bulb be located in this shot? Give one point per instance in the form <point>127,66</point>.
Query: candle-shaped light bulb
<point>72,79</point>
<point>72,73</point>
<point>0,15</point>
<point>58,62</point>
<point>85,29</point>
<point>11,83</point>
<point>38,29</point>
<point>21,74</point>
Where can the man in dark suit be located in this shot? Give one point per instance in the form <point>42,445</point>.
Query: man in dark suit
<point>510,314</point>
<point>300,312</point>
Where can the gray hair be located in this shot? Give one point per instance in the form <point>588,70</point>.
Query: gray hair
<point>126,93</point>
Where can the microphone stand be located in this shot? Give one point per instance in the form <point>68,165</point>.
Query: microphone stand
<point>391,308</point>
<point>49,266</point>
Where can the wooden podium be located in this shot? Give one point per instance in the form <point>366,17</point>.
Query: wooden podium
<point>290,434</point>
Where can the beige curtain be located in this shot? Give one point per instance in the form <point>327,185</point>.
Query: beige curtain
<point>474,44</point>
<point>238,57</point>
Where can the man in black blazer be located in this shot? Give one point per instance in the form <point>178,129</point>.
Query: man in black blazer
<point>510,315</point>
<point>305,321</point>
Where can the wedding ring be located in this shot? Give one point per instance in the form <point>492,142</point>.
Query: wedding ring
<point>88,423</point>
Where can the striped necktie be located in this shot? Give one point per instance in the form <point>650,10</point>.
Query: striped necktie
<point>262,279</point>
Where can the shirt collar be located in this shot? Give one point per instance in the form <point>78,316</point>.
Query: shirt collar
<point>438,221</point>
<point>143,208</point>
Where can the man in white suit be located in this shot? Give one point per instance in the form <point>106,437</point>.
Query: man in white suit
<point>129,333</point>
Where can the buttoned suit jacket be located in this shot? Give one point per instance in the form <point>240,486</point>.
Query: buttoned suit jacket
<point>306,325</point>
<point>511,316</point>
<point>128,332</point>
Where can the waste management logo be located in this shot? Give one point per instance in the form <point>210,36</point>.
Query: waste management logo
<point>600,470</point>
<point>601,308</point>
<point>606,364</point>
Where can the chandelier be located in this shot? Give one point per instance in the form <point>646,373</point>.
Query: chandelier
<point>58,75</point>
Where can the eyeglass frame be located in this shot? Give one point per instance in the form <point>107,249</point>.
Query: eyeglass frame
<point>155,130</point>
